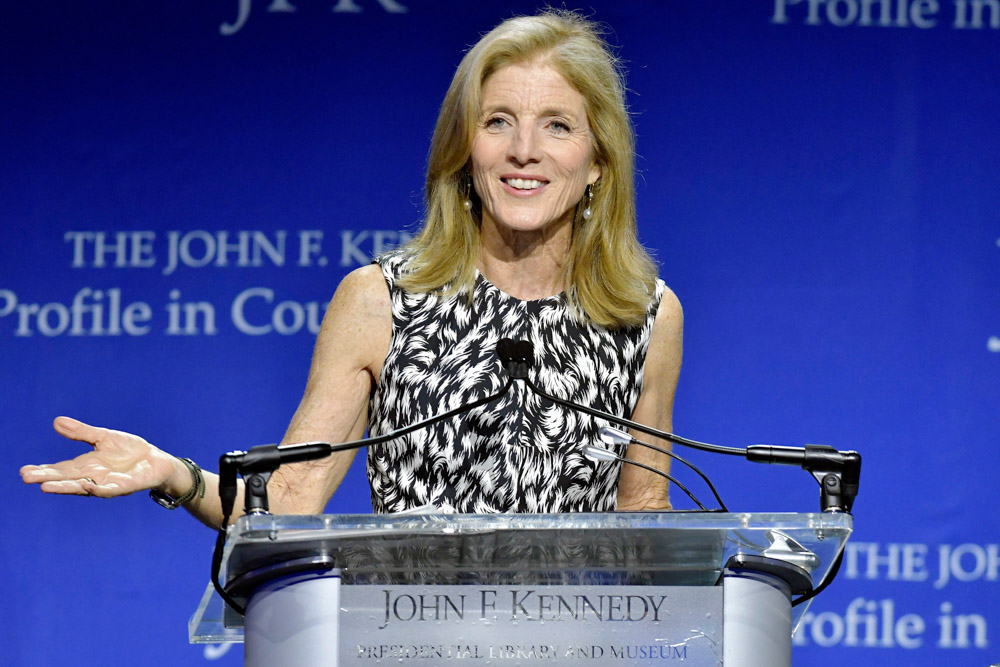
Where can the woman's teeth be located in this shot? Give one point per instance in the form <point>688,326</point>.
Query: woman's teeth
<point>523,183</point>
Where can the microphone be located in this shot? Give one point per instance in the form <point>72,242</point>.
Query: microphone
<point>260,461</point>
<point>517,357</point>
<point>614,436</point>
<point>521,352</point>
<point>602,455</point>
<point>257,464</point>
<point>838,472</point>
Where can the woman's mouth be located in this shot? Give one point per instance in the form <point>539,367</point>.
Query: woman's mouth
<point>523,184</point>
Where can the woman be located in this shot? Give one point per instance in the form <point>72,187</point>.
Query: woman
<point>529,233</point>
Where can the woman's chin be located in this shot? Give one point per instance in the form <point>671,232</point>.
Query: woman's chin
<point>529,224</point>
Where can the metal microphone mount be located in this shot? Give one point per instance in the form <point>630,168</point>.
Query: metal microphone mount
<point>838,472</point>
<point>256,466</point>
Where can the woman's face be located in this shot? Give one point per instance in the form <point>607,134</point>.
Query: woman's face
<point>532,152</point>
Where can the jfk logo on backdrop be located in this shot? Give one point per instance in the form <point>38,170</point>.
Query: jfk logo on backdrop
<point>245,248</point>
<point>245,7</point>
<point>920,14</point>
<point>128,310</point>
<point>911,622</point>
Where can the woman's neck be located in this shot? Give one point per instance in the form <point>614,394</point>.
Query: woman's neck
<point>526,265</point>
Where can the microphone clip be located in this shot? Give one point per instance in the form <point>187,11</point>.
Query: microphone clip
<point>517,357</point>
<point>837,472</point>
<point>838,482</point>
<point>256,466</point>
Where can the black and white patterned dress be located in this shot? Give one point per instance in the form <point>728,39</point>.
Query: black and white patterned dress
<point>520,453</point>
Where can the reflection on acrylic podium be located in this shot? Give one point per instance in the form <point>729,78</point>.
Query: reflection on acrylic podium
<point>616,588</point>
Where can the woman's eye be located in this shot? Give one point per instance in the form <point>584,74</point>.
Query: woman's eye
<point>559,126</point>
<point>496,123</point>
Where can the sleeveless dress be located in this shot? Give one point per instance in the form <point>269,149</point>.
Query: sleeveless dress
<point>520,453</point>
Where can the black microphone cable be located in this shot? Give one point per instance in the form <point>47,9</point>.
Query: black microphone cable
<point>220,542</point>
<point>518,357</point>
<point>594,412</point>
<point>229,463</point>
<point>827,580</point>
<point>595,453</point>
<point>621,437</point>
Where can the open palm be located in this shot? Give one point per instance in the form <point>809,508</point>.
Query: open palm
<point>120,464</point>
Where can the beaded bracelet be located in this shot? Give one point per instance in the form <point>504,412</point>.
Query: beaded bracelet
<point>197,488</point>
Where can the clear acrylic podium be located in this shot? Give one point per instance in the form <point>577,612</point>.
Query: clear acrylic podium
<point>618,588</point>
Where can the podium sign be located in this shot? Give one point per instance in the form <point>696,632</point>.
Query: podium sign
<point>621,588</point>
<point>629,625</point>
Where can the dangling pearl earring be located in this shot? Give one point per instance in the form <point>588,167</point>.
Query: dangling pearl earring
<point>467,204</point>
<point>590,198</point>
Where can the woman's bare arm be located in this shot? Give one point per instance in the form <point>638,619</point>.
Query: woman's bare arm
<point>639,489</point>
<point>350,348</point>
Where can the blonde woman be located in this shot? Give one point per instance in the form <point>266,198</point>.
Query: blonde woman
<point>530,234</point>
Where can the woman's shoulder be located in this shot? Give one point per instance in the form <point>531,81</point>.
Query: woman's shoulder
<point>364,289</point>
<point>392,265</point>
<point>663,303</point>
<point>668,320</point>
<point>666,299</point>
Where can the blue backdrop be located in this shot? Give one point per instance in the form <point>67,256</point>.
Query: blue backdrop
<point>184,183</point>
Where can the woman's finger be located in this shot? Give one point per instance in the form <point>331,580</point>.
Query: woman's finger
<point>75,487</point>
<point>81,486</point>
<point>34,474</point>
<point>77,430</point>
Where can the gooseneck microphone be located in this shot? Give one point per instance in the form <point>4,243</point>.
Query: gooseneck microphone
<point>517,358</point>
<point>614,436</point>
<point>600,454</point>
<point>838,472</point>
<point>262,460</point>
<point>258,463</point>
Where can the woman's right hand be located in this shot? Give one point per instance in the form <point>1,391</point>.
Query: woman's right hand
<point>120,464</point>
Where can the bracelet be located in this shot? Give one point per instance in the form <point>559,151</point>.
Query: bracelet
<point>197,488</point>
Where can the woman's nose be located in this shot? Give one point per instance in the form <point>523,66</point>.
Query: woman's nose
<point>524,146</point>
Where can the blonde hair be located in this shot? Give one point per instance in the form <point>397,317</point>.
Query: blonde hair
<point>610,277</point>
